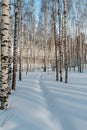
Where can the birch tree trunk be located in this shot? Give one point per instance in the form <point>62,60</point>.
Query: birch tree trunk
<point>9,56</point>
<point>4,54</point>
<point>33,34</point>
<point>27,60</point>
<point>56,46</point>
<point>83,39</point>
<point>20,39</point>
<point>46,35</point>
<point>0,40</point>
<point>15,52</point>
<point>60,43</point>
<point>65,42</point>
<point>63,57</point>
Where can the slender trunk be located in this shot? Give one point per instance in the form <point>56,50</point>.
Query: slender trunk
<point>65,42</point>
<point>30,57</point>
<point>82,56</point>
<point>33,34</point>
<point>80,50</point>
<point>44,58</point>
<point>27,62</point>
<point>70,54</point>
<point>74,55</point>
<point>15,53</point>
<point>46,34</point>
<point>4,54</point>
<point>60,43</point>
<point>0,42</point>
<point>63,57</point>
<point>21,40</point>
<point>56,46</point>
<point>10,58</point>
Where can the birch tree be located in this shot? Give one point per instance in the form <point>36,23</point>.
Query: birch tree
<point>15,48</point>
<point>9,54</point>
<point>55,41</point>
<point>45,10</point>
<point>60,42</point>
<point>20,26</point>
<point>4,54</point>
<point>33,33</point>
<point>65,41</point>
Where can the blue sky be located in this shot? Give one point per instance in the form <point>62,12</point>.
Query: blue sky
<point>37,8</point>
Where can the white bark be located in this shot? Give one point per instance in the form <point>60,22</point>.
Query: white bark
<point>4,54</point>
<point>10,57</point>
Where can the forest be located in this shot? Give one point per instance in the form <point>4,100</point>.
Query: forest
<point>43,64</point>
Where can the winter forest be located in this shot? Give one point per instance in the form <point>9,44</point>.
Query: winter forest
<point>43,64</point>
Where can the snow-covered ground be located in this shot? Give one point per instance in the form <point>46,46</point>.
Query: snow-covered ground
<point>41,103</point>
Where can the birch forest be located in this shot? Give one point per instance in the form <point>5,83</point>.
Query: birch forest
<point>44,36</point>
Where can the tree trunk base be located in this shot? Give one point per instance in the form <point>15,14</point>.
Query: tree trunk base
<point>44,69</point>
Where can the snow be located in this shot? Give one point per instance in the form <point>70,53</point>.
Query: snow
<point>41,103</point>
